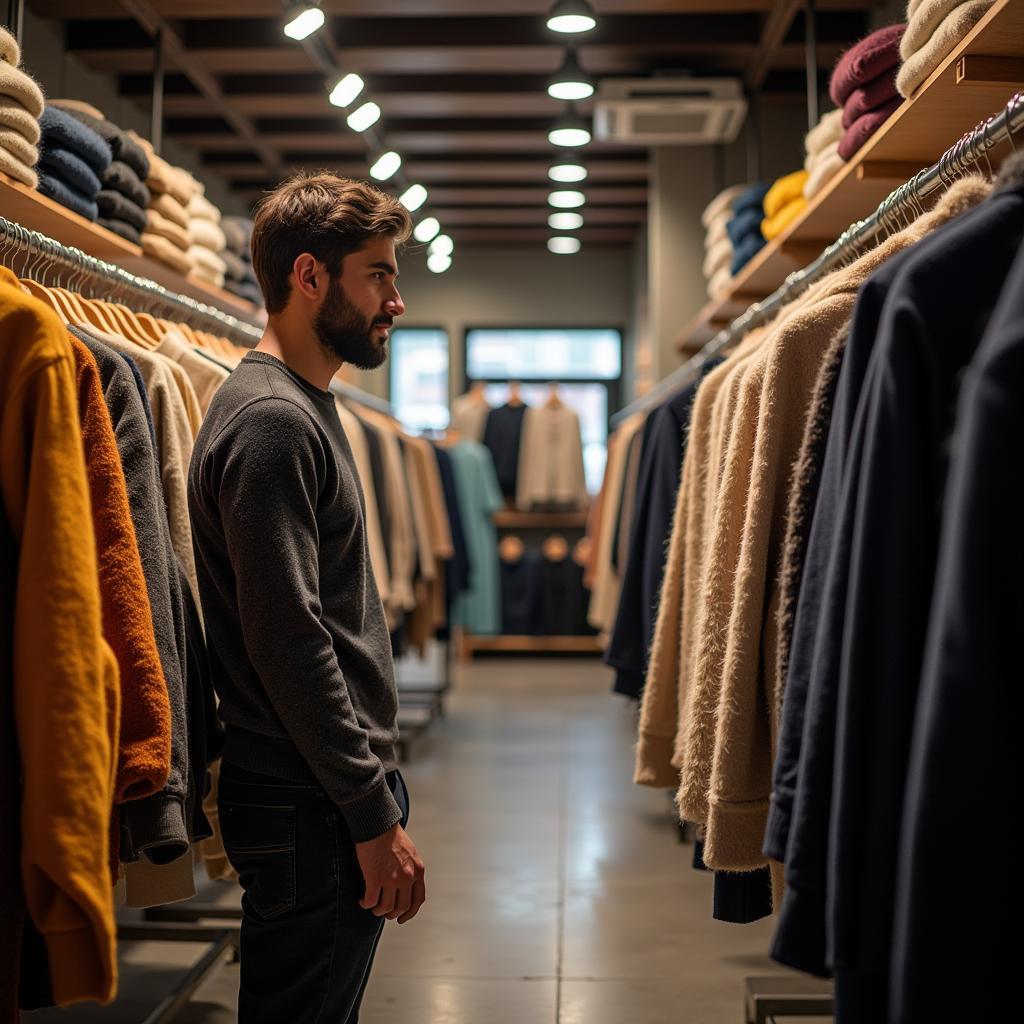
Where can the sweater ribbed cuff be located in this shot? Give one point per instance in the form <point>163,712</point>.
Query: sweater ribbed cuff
<point>372,814</point>
<point>654,762</point>
<point>83,965</point>
<point>736,835</point>
<point>156,827</point>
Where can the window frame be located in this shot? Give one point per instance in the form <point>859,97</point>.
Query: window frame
<point>392,362</point>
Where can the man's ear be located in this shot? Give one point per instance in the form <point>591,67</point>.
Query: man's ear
<point>304,270</point>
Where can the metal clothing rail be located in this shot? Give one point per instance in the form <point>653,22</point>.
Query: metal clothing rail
<point>959,159</point>
<point>362,397</point>
<point>54,253</point>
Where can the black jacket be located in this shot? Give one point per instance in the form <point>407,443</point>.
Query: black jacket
<point>502,434</point>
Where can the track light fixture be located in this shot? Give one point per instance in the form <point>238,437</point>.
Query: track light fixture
<point>571,17</point>
<point>303,21</point>
<point>438,264</point>
<point>565,221</point>
<point>441,246</point>
<point>566,199</point>
<point>570,129</point>
<point>567,172</point>
<point>563,245</point>
<point>385,166</point>
<point>426,229</point>
<point>346,91</point>
<point>365,116</point>
<point>571,82</point>
<point>413,197</point>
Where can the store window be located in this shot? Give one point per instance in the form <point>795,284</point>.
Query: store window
<point>419,377</point>
<point>586,363</point>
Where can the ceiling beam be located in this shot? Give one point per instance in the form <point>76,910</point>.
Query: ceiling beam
<point>206,83</point>
<point>773,34</point>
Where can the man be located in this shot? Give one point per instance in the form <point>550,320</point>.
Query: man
<point>312,807</point>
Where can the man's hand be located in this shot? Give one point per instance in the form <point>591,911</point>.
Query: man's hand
<point>394,876</point>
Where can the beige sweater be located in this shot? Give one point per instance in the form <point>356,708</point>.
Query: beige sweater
<point>551,459</point>
<point>204,375</point>
<point>949,32</point>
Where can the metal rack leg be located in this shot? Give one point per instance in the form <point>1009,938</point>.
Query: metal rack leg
<point>172,1004</point>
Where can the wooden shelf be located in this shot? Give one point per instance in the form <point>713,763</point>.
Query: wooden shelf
<point>33,210</point>
<point>916,135</point>
<point>513,519</point>
<point>470,644</point>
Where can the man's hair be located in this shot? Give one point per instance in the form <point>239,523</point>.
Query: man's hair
<point>325,215</point>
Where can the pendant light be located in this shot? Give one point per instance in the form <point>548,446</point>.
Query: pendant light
<point>571,17</point>
<point>438,263</point>
<point>570,130</point>
<point>368,114</point>
<point>563,245</point>
<point>303,21</point>
<point>565,221</point>
<point>385,166</point>
<point>426,229</point>
<point>571,82</point>
<point>566,199</point>
<point>413,197</point>
<point>441,246</point>
<point>567,172</point>
<point>347,89</point>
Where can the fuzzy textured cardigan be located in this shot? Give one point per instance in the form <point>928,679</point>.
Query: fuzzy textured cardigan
<point>62,674</point>
<point>865,61</point>
<point>950,31</point>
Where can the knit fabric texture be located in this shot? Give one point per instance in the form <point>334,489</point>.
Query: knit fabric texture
<point>745,224</point>
<point>870,97</point>
<point>864,127</point>
<point>81,107</point>
<point>21,87</point>
<point>784,191</point>
<point>951,31</point>
<point>162,176</point>
<point>722,203</point>
<point>751,198</point>
<point>70,168</point>
<point>207,234</point>
<point>751,245</point>
<point>159,225</point>
<point>122,148</point>
<point>119,177</point>
<point>114,206</point>
<point>9,49</point>
<point>13,167</point>
<point>60,192</point>
<point>166,252</point>
<point>127,231</point>
<point>235,268</point>
<point>826,165</point>
<point>772,227</point>
<point>200,208</point>
<point>167,206</point>
<point>717,257</point>
<point>824,133</point>
<point>19,147</point>
<point>13,115</point>
<point>207,263</point>
<point>717,231</point>
<point>926,17</point>
<point>865,61</point>
<point>60,129</point>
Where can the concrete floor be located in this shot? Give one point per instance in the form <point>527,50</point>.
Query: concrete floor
<point>557,890</point>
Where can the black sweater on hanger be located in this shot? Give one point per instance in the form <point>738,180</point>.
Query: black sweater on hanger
<point>502,434</point>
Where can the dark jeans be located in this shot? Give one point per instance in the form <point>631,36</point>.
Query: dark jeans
<point>306,944</point>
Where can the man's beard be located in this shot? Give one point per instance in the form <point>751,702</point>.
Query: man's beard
<point>343,330</point>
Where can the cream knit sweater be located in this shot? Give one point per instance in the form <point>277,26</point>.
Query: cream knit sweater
<point>949,32</point>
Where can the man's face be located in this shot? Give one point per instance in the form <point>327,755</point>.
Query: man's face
<point>354,321</point>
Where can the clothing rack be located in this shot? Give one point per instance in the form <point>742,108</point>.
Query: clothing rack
<point>355,394</point>
<point>40,248</point>
<point>959,159</point>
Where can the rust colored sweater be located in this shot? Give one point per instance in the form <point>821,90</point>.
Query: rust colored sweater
<point>58,678</point>
<point>144,750</point>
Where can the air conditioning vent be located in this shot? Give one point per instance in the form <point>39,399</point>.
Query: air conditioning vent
<point>667,112</point>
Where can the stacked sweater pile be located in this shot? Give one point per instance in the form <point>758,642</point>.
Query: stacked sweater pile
<point>822,148</point>
<point>72,162</point>
<point>934,28</point>
<point>21,106</point>
<point>864,85</point>
<point>783,203</point>
<point>744,226</point>
<point>123,198</point>
<point>718,249</point>
<point>239,278</point>
<point>206,239</point>
<point>165,237</point>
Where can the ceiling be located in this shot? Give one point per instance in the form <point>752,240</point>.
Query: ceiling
<point>462,85</point>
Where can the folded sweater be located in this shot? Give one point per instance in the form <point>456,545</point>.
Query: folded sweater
<point>772,227</point>
<point>60,192</point>
<point>157,224</point>
<point>865,61</point>
<point>122,148</point>
<point>167,206</point>
<point>923,18</point>
<point>206,234</point>
<point>717,257</point>
<point>751,198</point>
<point>864,127</point>
<point>236,269</point>
<point>61,129</point>
<point>245,290</point>
<point>115,206</point>
<point>200,208</point>
<point>721,204</point>
<point>162,176</point>
<point>950,31</point>
<point>19,147</point>
<point>13,115</point>
<point>719,284</point>
<point>120,177</point>
<point>826,165</point>
<point>80,106</point>
<point>207,262</point>
<point>13,167</point>
<point>9,49</point>
<point>21,87</point>
<point>237,231</point>
<point>866,98</point>
<point>748,248</point>
<point>166,252</point>
<point>784,191</point>
<point>824,133</point>
<point>127,231</point>
<point>70,168</point>
<point>745,223</point>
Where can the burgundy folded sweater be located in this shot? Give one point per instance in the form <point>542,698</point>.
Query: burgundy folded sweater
<point>864,127</point>
<point>865,61</point>
<point>866,98</point>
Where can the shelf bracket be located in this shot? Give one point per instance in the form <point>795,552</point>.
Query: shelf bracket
<point>977,69</point>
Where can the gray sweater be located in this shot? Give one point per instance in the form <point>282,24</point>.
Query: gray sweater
<point>299,644</point>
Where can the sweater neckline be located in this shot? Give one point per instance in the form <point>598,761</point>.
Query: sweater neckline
<point>269,360</point>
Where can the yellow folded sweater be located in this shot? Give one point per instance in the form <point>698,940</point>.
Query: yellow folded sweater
<point>783,192</point>
<point>772,227</point>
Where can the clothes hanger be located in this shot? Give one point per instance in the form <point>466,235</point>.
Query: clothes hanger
<point>515,397</point>
<point>554,400</point>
